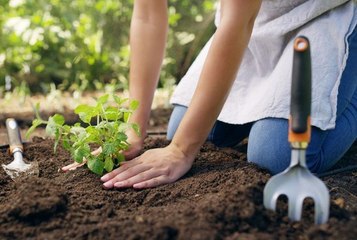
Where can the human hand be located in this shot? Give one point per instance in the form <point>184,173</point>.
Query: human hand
<point>153,168</point>
<point>136,144</point>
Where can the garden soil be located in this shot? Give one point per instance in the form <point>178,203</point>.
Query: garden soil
<point>219,198</point>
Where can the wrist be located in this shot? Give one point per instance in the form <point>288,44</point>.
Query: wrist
<point>142,122</point>
<point>188,149</point>
<point>189,157</point>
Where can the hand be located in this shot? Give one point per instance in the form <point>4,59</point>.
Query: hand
<point>153,168</point>
<point>136,144</point>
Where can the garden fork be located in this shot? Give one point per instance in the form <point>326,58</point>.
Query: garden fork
<point>297,182</point>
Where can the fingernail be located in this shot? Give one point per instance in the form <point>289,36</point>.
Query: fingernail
<point>138,185</point>
<point>104,178</point>
<point>108,185</point>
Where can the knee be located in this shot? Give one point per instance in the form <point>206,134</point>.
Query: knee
<point>268,145</point>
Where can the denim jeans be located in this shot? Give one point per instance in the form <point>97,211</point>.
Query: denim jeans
<point>267,143</point>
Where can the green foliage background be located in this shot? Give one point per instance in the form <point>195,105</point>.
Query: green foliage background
<point>83,44</point>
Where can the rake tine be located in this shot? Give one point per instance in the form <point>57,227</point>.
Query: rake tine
<point>321,212</point>
<point>295,208</point>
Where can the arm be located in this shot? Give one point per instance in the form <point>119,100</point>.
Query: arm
<point>219,72</point>
<point>148,32</point>
<point>165,165</point>
<point>147,43</point>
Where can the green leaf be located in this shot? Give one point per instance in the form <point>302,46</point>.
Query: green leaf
<point>80,132</point>
<point>37,111</point>
<point>57,139</point>
<point>58,119</point>
<point>54,124</point>
<point>95,165</point>
<point>103,99</point>
<point>111,113</point>
<point>86,112</point>
<point>134,104</point>
<point>126,116</point>
<point>81,152</point>
<point>119,158</point>
<point>121,136</point>
<point>123,127</point>
<point>93,135</point>
<point>66,129</point>
<point>35,124</point>
<point>136,128</point>
<point>66,144</point>
<point>108,164</point>
<point>119,100</point>
<point>108,148</point>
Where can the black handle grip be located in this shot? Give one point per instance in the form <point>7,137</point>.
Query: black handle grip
<point>13,134</point>
<point>300,107</point>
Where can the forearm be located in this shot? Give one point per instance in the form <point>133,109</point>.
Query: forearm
<point>148,33</point>
<point>218,74</point>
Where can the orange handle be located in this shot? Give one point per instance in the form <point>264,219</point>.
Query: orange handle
<point>300,137</point>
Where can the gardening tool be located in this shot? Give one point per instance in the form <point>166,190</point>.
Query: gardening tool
<point>17,167</point>
<point>297,182</point>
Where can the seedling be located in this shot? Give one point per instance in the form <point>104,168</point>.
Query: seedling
<point>109,131</point>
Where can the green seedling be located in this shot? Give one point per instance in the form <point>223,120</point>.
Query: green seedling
<point>109,131</point>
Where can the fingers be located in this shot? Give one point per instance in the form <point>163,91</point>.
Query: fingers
<point>136,172</point>
<point>141,177</point>
<point>73,166</point>
<point>154,182</point>
<point>153,168</point>
<point>124,166</point>
<point>67,167</point>
<point>146,179</point>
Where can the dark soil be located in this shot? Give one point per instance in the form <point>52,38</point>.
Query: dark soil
<point>219,198</point>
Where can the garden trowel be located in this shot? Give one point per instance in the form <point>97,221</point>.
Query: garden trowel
<point>17,167</point>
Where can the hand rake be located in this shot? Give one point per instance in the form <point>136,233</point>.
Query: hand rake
<point>297,182</point>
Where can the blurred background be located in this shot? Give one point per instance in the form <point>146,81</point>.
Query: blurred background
<point>48,47</point>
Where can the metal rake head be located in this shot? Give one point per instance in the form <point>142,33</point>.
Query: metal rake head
<point>298,183</point>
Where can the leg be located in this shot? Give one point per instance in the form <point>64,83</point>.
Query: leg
<point>268,146</point>
<point>222,134</point>
<point>175,119</point>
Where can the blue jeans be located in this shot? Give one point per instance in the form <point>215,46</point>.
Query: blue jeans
<point>267,143</point>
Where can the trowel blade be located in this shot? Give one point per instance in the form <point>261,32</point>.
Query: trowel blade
<point>25,170</point>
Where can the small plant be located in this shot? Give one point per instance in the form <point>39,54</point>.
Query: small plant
<point>109,132</point>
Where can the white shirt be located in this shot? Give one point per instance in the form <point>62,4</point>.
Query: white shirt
<point>262,85</point>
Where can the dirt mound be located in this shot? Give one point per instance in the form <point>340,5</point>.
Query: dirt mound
<point>34,200</point>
